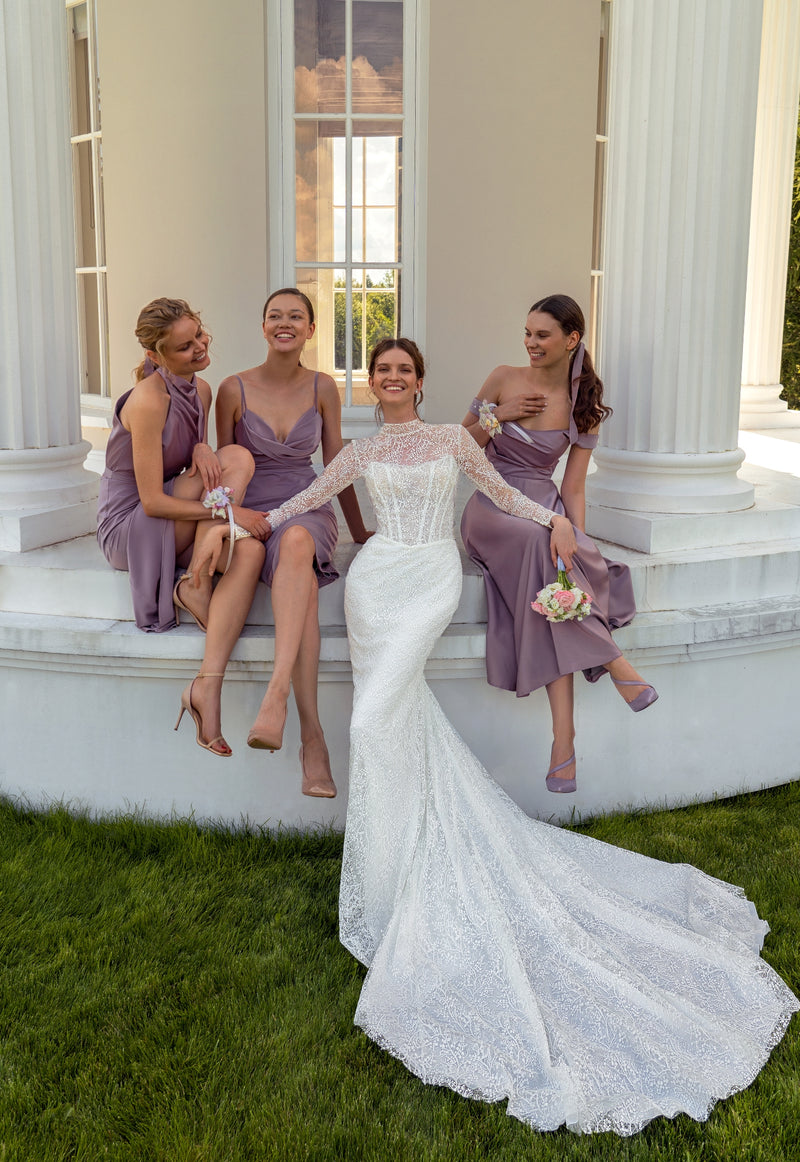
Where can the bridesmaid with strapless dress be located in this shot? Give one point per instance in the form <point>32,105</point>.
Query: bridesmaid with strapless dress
<point>524,651</point>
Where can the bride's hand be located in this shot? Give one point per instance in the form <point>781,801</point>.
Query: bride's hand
<point>251,521</point>
<point>562,541</point>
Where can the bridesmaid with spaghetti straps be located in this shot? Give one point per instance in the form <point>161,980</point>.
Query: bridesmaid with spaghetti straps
<point>281,412</point>
<point>526,418</point>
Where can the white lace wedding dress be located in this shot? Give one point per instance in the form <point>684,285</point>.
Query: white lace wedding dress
<point>508,958</point>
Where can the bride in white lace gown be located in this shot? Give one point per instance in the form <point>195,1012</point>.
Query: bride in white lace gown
<point>508,958</point>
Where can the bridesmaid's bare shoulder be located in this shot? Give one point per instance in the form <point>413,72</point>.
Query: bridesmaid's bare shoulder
<point>328,392</point>
<point>503,381</point>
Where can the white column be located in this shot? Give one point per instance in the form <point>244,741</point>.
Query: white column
<point>770,218</point>
<point>45,493</point>
<point>682,110</point>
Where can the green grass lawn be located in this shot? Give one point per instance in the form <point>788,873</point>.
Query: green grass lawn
<point>170,992</point>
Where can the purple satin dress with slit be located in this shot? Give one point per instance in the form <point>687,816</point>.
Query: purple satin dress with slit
<point>131,540</point>
<point>284,468</point>
<point>524,651</point>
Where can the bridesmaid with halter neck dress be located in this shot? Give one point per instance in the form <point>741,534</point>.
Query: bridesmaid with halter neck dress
<point>281,412</point>
<point>527,418</point>
<point>152,517</point>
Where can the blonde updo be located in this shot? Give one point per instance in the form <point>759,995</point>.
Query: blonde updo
<point>155,322</point>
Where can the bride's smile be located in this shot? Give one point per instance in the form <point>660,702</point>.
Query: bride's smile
<point>394,383</point>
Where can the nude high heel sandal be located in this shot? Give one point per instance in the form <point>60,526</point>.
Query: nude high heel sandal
<point>186,704</point>
<point>176,601</point>
<point>315,787</point>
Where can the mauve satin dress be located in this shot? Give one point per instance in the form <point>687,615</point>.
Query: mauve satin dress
<point>284,468</point>
<point>142,545</point>
<point>523,650</point>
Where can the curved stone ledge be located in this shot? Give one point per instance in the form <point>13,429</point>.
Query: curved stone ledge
<point>90,701</point>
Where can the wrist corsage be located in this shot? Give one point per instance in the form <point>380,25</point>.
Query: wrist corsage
<point>488,420</point>
<point>561,600</point>
<point>218,500</point>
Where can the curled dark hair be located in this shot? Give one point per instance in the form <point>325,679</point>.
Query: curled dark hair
<point>290,290</point>
<point>409,347</point>
<point>589,407</point>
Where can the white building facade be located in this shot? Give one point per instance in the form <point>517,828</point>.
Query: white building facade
<point>416,165</point>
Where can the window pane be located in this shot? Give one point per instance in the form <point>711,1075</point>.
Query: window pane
<point>381,156</point>
<point>358,235</point>
<point>377,56</point>
<point>319,56</point>
<point>378,192</point>
<point>91,376</point>
<point>81,94</point>
<point>324,288</point>
<point>84,204</point>
<point>381,306</point>
<point>599,194</point>
<point>314,192</point>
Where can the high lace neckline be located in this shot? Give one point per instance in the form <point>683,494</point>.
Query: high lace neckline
<point>402,429</point>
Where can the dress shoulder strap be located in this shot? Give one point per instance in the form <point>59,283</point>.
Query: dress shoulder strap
<point>316,378</point>
<point>575,382</point>
<point>241,389</point>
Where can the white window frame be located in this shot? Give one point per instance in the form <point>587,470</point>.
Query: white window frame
<point>95,407</point>
<point>356,419</point>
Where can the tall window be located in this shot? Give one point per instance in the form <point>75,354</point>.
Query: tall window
<point>87,171</point>
<point>345,227</point>
<point>601,154</point>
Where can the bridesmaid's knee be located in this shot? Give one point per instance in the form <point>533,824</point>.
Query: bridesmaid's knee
<point>234,458</point>
<point>251,551</point>
<point>297,545</point>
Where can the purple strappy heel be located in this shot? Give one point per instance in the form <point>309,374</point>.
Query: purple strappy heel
<point>560,786</point>
<point>647,697</point>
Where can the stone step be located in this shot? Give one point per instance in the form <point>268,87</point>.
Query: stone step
<point>72,579</point>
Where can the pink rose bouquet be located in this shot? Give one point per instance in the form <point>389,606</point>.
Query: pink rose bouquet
<point>561,600</point>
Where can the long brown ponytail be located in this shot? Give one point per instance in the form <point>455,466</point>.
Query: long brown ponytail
<point>589,407</point>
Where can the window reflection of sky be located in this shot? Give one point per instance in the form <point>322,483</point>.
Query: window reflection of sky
<point>373,195</point>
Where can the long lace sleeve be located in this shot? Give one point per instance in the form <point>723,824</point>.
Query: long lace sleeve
<point>472,461</point>
<point>342,470</point>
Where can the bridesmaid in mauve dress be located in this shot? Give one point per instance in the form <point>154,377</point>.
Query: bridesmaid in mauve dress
<point>535,414</point>
<point>151,515</point>
<point>281,412</point>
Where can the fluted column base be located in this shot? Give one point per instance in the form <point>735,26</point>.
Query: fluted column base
<point>762,408</point>
<point>46,496</point>
<point>669,482</point>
